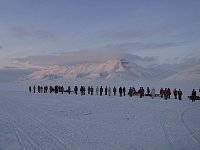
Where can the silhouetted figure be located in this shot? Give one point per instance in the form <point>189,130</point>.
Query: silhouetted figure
<point>161,92</point>
<point>148,91</point>
<point>106,90</point>
<point>180,94</point>
<point>62,89</point>
<point>120,91</point>
<point>91,90</point>
<point>56,89</point>
<point>38,89</point>
<point>194,95</point>
<point>97,90</point>
<point>82,90</point>
<point>130,92</point>
<point>124,91</point>
<point>141,92</point>
<point>114,90</point>
<point>169,93</point>
<point>101,90</point>
<point>34,88</point>
<point>30,89</point>
<point>69,89</point>
<point>109,91</point>
<point>175,92</point>
<point>76,90</point>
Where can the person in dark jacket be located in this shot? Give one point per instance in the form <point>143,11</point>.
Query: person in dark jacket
<point>124,91</point>
<point>76,90</point>
<point>91,90</point>
<point>194,95</point>
<point>180,94</point>
<point>175,92</point>
<point>120,91</point>
<point>30,89</point>
<point>106,90</point>
<point>34,88</point>
<point>114,90</point>
<point>101,90</point>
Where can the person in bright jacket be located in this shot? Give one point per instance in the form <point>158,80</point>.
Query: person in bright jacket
<point>153,92</point>
<point>161,92</point>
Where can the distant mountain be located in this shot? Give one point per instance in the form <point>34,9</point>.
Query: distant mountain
<point>191,74</point>
<point>110,69</point>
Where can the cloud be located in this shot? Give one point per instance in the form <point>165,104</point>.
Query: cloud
<point>10,74</point>
<point>22,33</point>
<point>138,33</point>
<point>111,51</point>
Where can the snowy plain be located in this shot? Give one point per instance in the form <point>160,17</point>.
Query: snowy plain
<point>74,122</point>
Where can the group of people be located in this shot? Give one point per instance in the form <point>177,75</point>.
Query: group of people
<point>164,93</point>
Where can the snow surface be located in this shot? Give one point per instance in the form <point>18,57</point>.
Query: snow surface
<point>74,122</point>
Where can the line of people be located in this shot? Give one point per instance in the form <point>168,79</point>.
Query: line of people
<point>107,91</point>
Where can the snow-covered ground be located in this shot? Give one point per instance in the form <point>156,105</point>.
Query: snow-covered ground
<point>74,122</point>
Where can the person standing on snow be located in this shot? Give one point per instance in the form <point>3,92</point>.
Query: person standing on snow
<point>153,92</point>
<point>124,90</point>
<point>194,95</point>
<point>175,93</point>
<point>101,90</point>
<point>114,90</point>
<point>180,94</point>
<point>120,91</point>
<point>97,90</point>
<point>161,92</point>
<point>109,91</point>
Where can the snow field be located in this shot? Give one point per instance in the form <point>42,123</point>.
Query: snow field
<point>56,121</point>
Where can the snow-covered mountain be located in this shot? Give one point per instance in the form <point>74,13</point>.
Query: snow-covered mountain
<point>110,69</point>
<point>191,74</point>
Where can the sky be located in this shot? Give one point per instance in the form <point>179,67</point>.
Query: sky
<point>35,33</point>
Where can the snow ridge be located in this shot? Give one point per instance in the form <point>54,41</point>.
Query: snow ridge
<point>115,68</point>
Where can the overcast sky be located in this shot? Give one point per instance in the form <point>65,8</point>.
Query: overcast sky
<point>32,32</point>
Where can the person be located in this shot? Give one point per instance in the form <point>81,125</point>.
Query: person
<point>166,93</point>
<point>109,91</point>
<point>148,91</point>
<point>153,92</point>
<point>180,94</point>
<point>114,90</point>
<point>76,90</point>
<point>141,92</point>
<point>120,91</point>
<point>82,90</point>
<point>91,90</point>
<point>106,90</point>
<point>194,94</point>
<point>97,90</point>
<point>30,89</point>
<point>175,93</point>
<point>161,92</point>
<point>62,89</point>
<point>69,89</point>
<point>130,92</point>
<point>124,90</point>
<point>169,93</point>
<point>101,90</point>
<point>34,88</point>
